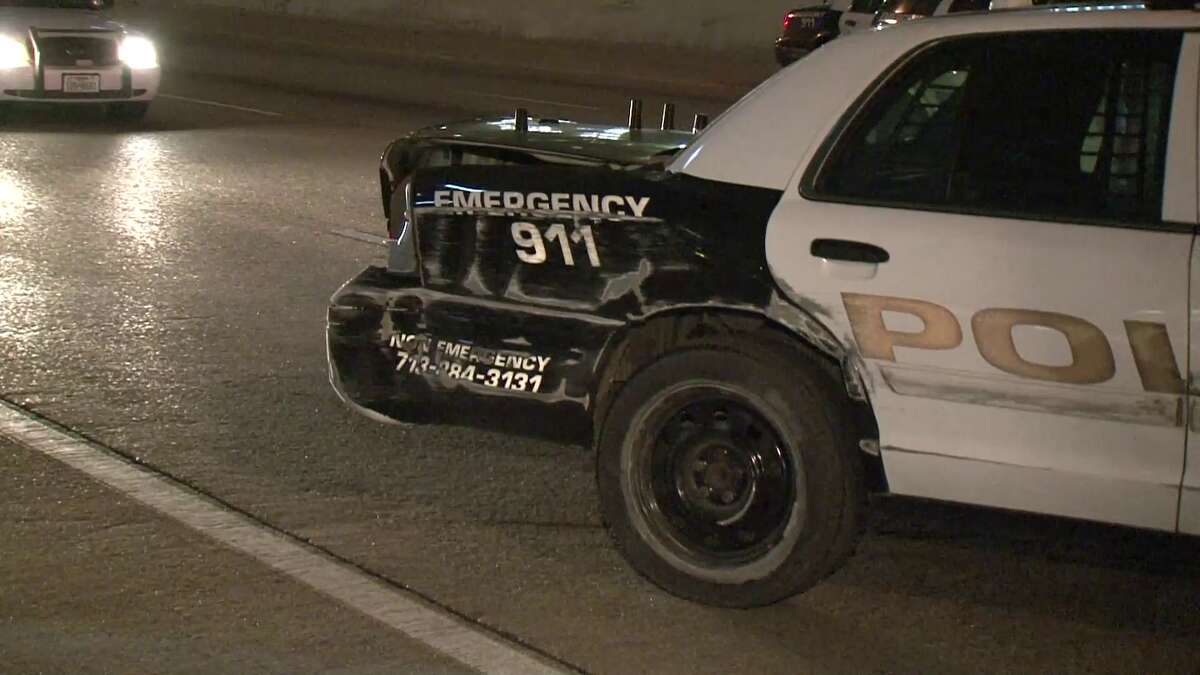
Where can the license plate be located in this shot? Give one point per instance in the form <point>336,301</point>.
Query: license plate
<point>81,84</point>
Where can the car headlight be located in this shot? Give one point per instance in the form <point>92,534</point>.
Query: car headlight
<point>138,53</point>
<point>13,53</point>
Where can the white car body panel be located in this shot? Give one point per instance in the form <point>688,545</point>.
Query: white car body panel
<point>1182,182</point>
<point>1189,498</point>
<point>17,22</point>
<point>775,124</point>
<point>952,426</point>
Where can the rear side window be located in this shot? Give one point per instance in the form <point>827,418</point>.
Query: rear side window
<point>969,5</point>
<point>465,155</point>
<point>1059,125</point>
<point>865,6</point>
<point>919,7</point>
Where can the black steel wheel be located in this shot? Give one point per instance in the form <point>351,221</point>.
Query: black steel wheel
<point>716,482</point>
<point>730,479</point>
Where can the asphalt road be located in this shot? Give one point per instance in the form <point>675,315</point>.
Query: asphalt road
<point>162,291</point>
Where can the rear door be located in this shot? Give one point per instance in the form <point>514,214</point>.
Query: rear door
<point>1189,65</point>
<point>996,233</point>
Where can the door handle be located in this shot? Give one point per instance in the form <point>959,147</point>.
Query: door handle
<point>849,251</point>
<point>851,23</point>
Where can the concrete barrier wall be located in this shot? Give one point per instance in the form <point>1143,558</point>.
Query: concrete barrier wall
<point>701,24</point>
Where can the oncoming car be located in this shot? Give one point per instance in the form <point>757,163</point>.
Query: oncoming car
<point>69,52</point>
<point>963,269</point>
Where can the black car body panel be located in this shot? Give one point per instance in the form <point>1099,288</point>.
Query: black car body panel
<point>498,333</point>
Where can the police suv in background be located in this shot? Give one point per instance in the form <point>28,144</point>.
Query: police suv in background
<point>70,52</point>
<point>807,28</point>
<point>964,269</point>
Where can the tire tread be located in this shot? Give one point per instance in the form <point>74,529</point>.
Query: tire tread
<point>812,383</point>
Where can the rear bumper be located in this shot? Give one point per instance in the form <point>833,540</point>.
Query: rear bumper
<point>398,352</point>
<point>45,84</point>
<point>362,366</point>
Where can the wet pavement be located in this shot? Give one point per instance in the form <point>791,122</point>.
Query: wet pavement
<point>162,290</point>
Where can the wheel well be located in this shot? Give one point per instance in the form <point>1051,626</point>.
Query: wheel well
<point>638,347</point>
<point>385,189</point>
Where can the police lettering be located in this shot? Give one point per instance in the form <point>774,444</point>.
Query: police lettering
<point>477,200</point>
<point>1091,355</point>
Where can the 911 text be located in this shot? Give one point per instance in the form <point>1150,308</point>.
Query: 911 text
<point>531,243</point>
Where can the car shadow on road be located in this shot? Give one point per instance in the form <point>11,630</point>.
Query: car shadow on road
<point>1106,576</point>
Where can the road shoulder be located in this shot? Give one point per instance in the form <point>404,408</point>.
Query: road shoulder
<point>94,582</point>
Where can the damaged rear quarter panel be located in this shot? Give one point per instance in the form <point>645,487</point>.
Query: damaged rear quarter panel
<point>662,242</point>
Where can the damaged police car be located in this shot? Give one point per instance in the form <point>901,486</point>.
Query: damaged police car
<point>963,270</point>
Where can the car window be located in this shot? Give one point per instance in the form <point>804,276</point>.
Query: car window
<point>459,155</point>
<point>969,5</point>
<point>1060,125</point>
<point>865,6</point>
<point>447,155</point>
<point>917,7</point>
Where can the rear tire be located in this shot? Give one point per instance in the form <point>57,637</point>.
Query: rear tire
<point>729,480</point>
<point>128,112</point>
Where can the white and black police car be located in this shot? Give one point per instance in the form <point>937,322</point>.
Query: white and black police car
<point>71,52</point>
<point>964,269</point>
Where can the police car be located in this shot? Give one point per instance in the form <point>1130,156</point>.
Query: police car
<point>70,52</point>
<point>806,28</point>
<point>963,269</point>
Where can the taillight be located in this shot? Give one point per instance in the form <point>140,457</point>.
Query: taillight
<point>787,20</point>
<point>399,205</point>
<point>402,249</point>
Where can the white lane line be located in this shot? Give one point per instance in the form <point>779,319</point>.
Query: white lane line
<point>401,610</point>
<point>215,104</point>
<point>519,99</point>
<point>361,236</point>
